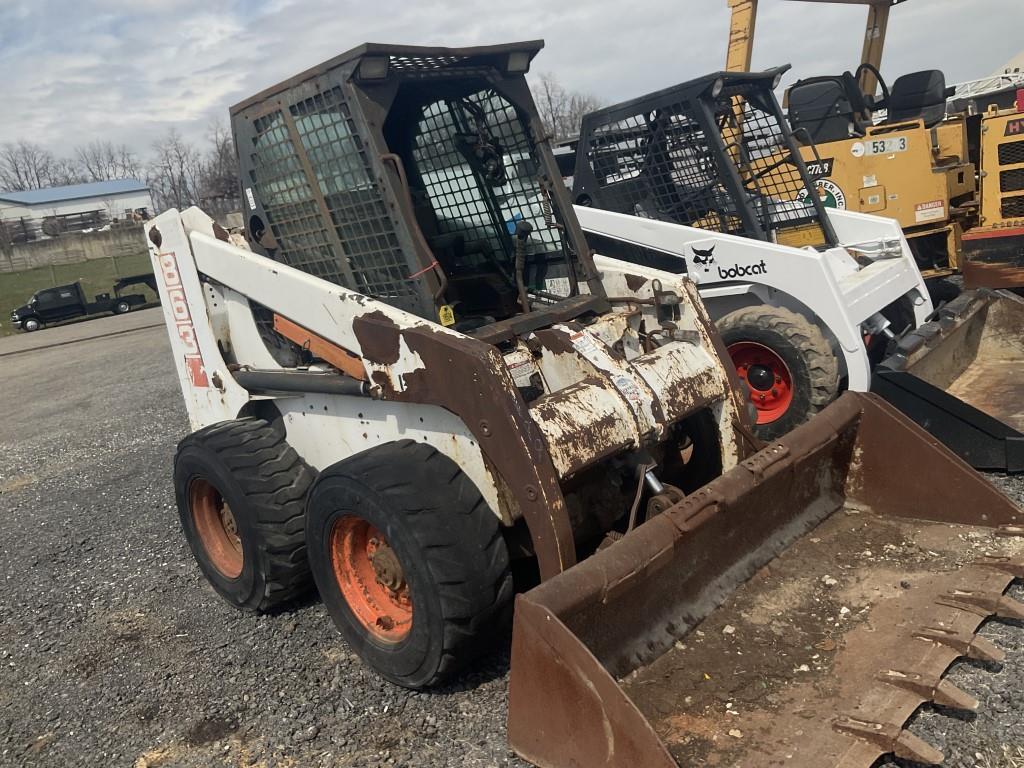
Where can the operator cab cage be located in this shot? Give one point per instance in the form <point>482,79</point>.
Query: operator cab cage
<point>421,177</point>
<point>714,152</point>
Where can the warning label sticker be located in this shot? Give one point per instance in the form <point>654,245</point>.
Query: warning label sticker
<point>931,211</point>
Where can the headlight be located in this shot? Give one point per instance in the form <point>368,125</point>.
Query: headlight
<point>14,315</point>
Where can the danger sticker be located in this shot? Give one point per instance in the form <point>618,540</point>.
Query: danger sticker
<point>934,210</point>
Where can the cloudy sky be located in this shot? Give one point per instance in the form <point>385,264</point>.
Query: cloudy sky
<point>127,70</point>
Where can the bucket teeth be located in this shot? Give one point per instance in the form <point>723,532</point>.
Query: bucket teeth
<point>1007,565</point>
<point>985,604</point>
<point>965,643</point>
<point>942,692</point>
<point>892,739</point>
<point>948,695</point>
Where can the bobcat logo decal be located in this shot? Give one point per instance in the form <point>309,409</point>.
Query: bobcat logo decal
<point>704,257</point>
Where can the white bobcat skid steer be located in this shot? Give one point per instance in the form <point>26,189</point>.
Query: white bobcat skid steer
<point>421,379</point>
<point>425,381</point>
<point>705,178</point>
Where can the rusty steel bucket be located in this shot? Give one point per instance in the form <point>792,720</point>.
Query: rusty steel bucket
<point>961,377</point>
<point>796,611</point>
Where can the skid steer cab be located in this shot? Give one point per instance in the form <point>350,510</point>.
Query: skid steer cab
<point>418,375</point>
<point>706,178</point>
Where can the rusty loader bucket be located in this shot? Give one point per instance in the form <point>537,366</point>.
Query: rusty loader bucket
<point>961,377</point>
<point>796,611</point>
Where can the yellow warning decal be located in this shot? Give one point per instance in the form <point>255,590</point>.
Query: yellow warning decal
<point>446,315</point>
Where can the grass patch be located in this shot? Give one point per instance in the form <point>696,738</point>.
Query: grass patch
<point>96,276</point>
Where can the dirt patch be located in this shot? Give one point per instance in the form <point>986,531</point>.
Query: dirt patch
<point>210,729</point>
<point>16,483</point>
<point>765,674</point>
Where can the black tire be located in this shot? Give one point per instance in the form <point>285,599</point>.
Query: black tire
<point>447,541</point>
<point>248,465</point>
<point>31,324</point>
<point>812,365</point>
<point>121,307</point>
<point>943,290</point>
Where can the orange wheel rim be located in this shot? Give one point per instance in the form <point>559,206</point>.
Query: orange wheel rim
<point>218,532</point>
<point>371,579</point>
<point>767,376</point>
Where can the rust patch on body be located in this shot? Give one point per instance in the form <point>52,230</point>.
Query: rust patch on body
<point>555,341</point>
<point>979,274</point>
<point>378,337</point>
<point>635,282</point>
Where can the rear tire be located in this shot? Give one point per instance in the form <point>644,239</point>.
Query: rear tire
<point>121,307</point>
<point>241,492</point>
<point>942,290</point>
<point>409,560</point>
<point>787,363</point>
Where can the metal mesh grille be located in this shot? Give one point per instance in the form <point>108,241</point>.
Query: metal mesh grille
<point>767,165</point>
<point>421,63</point>
<point>371,261</point>
<point>293,216</point>
<point>1012,180</point>
<point>1011,153</point>
<point>1013,207</point>
<point>466,198</point>
<point>660,163</point>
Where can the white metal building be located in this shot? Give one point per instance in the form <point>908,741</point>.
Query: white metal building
<point>116,199</point>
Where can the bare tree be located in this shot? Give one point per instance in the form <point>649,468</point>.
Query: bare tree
<point>220,169</point>
<point>561,110</point>
<point>102,160</point>
<point>64,172</point>
<point>25,165</point>
<point>175,172</point>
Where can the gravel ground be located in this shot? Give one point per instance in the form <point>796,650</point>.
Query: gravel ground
<point>115,652</point>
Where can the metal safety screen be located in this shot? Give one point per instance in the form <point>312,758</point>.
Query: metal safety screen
<point>721,163</point>
<point>480,175</point>
<point>312,175</point>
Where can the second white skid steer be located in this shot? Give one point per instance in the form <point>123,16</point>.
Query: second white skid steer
<point>706,177</point>
<point>418,378</point>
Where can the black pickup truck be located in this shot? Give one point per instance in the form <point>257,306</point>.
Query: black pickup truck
<point>66,302</point>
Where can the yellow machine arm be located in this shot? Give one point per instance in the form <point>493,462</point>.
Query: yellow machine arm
<point>744,18</point>
<point>741,35</point>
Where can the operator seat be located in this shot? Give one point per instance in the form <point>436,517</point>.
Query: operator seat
<point>919,95</point>
<point>829,108</point>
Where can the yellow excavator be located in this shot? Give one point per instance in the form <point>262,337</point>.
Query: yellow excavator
<point>952,173</point>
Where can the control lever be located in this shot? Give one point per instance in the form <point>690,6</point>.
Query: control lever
<point>523,230</point>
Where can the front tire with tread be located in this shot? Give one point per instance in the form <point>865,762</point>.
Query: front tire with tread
<point>804,349</point>
<point>449,545</point>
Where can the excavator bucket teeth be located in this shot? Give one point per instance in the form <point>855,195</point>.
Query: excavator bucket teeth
<point>958,376</point>
<point>796,611</point>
